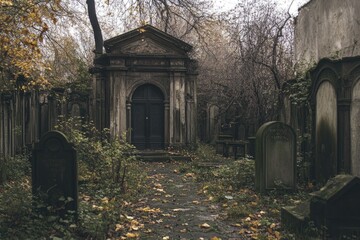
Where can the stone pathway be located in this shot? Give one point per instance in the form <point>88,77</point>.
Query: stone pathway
<point>175,209</point>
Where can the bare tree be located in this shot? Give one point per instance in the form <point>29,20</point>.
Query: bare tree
<point>262,37</point>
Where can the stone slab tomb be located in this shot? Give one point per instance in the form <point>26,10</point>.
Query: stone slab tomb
<point>334,207</point>
<point>275,157</point>
<point>54,172</point>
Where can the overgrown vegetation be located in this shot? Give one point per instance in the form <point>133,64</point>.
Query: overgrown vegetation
<point>231,183</point>
<point>108,177</point>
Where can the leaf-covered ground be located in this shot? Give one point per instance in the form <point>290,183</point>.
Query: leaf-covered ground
<point>183,204</point>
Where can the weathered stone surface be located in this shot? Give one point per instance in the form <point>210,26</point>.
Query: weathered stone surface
<point>275,157</point>
<point>355,130</point>
<point>326,132</point>
<point>147,58</point>
<point>296,218</point>
<point>54,169</point>
<point>327,29</point>
<point>335,207</point>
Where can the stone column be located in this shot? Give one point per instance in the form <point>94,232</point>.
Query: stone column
<point>167,129</point>
<point>128,121</point>
<point>344,141</point>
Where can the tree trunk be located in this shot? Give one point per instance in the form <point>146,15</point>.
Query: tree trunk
<point>96,27</point>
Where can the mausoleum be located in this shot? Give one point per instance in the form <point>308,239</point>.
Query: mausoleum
<point>145,86</point>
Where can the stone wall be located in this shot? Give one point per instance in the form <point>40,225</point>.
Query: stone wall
<point>327,29</point>
<point>25,117</point>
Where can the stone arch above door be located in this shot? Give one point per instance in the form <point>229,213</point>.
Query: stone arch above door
<point>148,117</point>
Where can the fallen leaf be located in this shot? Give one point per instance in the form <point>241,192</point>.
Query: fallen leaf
<point>148,209</point>
<point>118,227</point>
<point>236,225</point>
<point>242,231</point>
<point>131,235</point>
<point>166,238</point>
<point>181,209</point>
<point>189,175</point>
<point>215,238</point>
<point>205,225</point>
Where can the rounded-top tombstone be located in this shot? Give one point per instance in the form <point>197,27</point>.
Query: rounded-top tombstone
<point>275,158</point>
<point>54,171</point>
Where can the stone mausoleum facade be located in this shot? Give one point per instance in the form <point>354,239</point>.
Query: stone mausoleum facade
<point>145,86</point>
<point>327,36</point>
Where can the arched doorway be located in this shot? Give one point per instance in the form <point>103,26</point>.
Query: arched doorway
<point>147,117</point>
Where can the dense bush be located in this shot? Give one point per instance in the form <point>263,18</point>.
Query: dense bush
<point>108,176</point>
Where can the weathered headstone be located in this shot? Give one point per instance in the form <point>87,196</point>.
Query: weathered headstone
<point>54,172</point>
<point>275,157</point>
<point>335,207</point>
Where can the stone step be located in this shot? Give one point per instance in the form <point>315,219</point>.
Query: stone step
<point>161,156</point>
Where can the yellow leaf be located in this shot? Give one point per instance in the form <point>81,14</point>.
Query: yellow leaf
<point>131,235</point>
<point>118,227</point>
<point>205,225</point>
<point>215,238</point>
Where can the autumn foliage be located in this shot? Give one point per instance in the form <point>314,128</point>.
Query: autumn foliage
<point>22,30</point>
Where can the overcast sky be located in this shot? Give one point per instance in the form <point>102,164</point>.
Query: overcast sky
<point>228,4</point>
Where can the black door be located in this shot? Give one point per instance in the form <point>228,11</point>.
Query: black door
<point>147,117</point>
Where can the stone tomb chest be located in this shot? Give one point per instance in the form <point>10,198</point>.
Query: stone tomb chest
<point>336,205</point>
<point>145,85</point>
<point>275,157</point>
<point>54,172</point>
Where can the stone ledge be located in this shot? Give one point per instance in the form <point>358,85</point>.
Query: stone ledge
<point>296,218</point>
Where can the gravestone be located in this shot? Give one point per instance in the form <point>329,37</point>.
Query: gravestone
<point>275,157</point>
<point>335,207</point>
<point>54,172</point>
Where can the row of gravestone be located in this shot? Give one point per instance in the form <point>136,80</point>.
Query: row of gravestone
<point>335,207</point>
<point>54,169</point>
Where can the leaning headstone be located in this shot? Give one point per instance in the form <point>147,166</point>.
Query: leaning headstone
<point>275,157</point>
<point>54,172</point>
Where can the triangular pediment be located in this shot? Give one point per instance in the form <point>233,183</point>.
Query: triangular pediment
<point>146,40</point>
<point>144,46</point>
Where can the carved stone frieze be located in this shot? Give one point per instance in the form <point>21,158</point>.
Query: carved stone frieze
<point>146,46</point>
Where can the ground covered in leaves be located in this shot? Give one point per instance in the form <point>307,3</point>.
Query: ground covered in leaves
<point>210,197</point>
<point>204,201</point>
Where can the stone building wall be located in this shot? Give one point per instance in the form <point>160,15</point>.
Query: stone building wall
<point>327,29</point>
